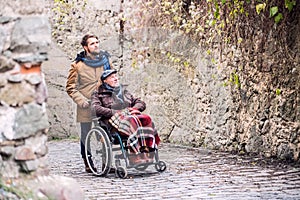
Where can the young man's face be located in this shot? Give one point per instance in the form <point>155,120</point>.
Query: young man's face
<point>92,46</point>
<point>112,80</point>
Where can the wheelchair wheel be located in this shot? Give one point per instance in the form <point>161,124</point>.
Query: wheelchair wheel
<point>121,172</point>
<point>98,151</point>
<point>160,166</point>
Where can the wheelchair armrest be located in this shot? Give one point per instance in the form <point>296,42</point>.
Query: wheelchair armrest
<point>96,120</point>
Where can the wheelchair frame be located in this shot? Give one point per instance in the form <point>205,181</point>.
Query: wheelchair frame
<point>99,151</point>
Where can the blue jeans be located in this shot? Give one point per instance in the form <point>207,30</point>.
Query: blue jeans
<point>85,128</point>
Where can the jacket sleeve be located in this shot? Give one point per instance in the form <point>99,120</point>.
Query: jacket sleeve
<point>98,108</point>
<point>135,102</point>
<point>72,88</point>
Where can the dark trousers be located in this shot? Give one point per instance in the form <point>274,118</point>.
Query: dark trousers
<point>85,127</point>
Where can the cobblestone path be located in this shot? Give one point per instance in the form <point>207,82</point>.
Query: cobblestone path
<point>191,173</point>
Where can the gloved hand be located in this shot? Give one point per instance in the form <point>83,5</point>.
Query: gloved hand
<point>134,111</point>
<point>85,104</point>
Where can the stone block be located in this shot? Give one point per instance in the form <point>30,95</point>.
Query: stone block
<point>30,119</point>
<point>3,81</point>
<point>30,39</point>
<point>29,165</point>
<point>5,63</point>
<point>24,153</point>
<point>7,116</point>
<point>10,169</point>
<point>34,78</point>
<point>37,144</point>
<point>15,78</point>
<point>7,151</point>
<point>22,93</point>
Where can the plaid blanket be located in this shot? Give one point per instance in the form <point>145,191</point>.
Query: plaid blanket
<point>138,127</point>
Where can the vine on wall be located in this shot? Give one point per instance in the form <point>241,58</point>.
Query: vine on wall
<point>68,17</point>
<point>254,33</point>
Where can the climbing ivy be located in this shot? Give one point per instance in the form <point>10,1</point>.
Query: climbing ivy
<point>64,12</point>
<point>256,29</point>
<point>213,18</point>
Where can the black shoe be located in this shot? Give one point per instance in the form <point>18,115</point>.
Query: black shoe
<point>112,170</point>
<point>87,168</point>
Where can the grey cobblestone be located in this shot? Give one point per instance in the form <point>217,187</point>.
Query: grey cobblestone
<point>192,173</point>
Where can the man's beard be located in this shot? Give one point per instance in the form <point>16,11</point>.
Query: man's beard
<point>94,53</point>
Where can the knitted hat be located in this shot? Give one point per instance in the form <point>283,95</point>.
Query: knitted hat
<point>107,73</point>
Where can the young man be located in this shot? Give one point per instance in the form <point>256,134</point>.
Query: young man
<point>82,80</point>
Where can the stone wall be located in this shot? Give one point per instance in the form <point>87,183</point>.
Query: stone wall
<point>24,42</point>
<point>23,91</point>
<point>191,104</point>
<point>198,104</point>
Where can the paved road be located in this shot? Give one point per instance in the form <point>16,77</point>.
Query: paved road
<point>192,173</point>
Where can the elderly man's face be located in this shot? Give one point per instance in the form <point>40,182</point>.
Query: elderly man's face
<point>112,80</point>
<point>92,46</point>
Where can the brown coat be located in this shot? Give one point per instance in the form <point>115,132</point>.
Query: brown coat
<point>81,82</point>
<point>105,103</point>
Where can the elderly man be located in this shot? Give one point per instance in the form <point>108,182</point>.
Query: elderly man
<point>120,111</point>
<point>83,78</point>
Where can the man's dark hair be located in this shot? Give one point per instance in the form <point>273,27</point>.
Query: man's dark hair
<point>86,37</point>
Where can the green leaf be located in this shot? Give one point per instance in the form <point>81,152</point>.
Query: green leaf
<point>168,54</point>
<point>213,61</point>
<point>236,80</point>
<point>260,7</point>
<point>273,11</point>
<point>212,22</point>
<point>217,14</point>
<point>240,40</point>
<point>177,60</point>
<point>186,63</point>
<point>278,92</point>
<point>289,4</point>
<point>278,18</point>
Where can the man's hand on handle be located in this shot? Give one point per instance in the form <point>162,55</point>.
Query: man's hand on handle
<point>85,104</point>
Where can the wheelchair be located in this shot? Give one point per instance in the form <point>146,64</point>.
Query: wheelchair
<point>101,146</point>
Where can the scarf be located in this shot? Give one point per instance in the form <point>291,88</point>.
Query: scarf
<point>101,60</point>
<point>116,90</point>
